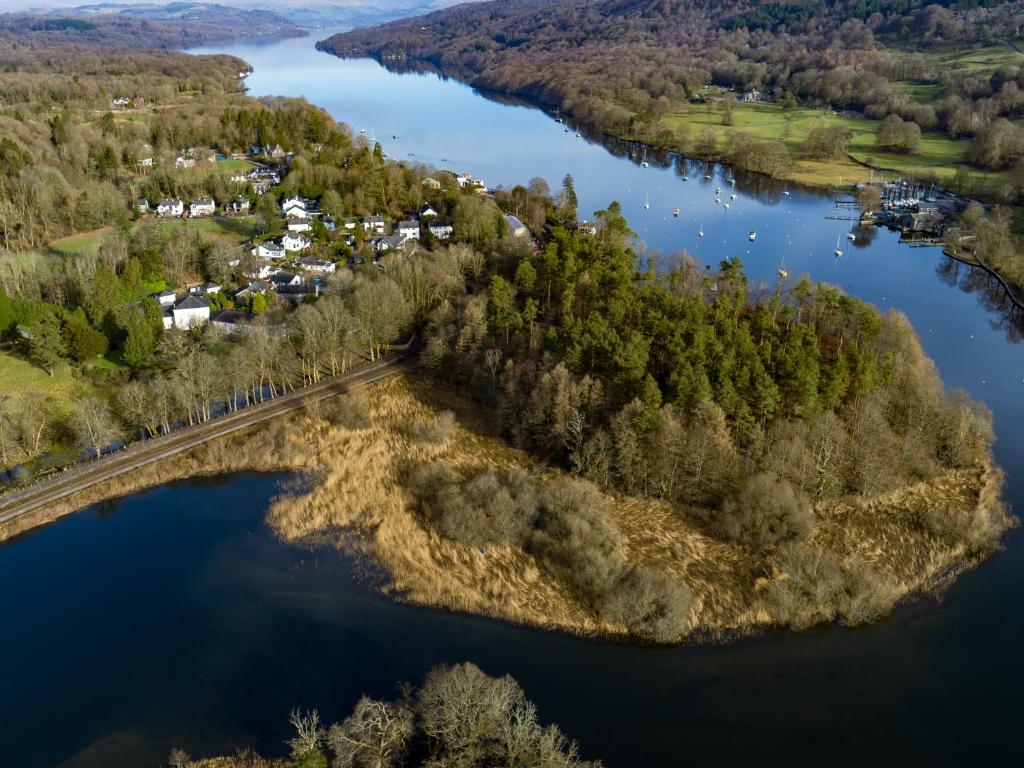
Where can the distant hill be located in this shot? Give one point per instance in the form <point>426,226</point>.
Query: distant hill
<point>150,25</point>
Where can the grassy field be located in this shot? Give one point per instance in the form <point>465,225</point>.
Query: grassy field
<point>939,156</point>
<point>19,377</point>
<point>982,60</point>
<point>233,229</point>
<point>84,242</point>
<point>236,230</point>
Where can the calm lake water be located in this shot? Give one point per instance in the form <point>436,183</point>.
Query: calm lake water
<point>173,617</point>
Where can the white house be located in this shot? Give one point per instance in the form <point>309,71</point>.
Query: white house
<point>516,228</point>
<point>142,205</point>
<point>295,207</point>
<point>241,205</point>
<point>408,230</point>
<point>350,224</point>
<point>427,211</point>
<point>299,225</point>
<point>313,264</point>
<point>440,230</point>
<point>269,250</point>
<point>204,288</point>
<point>170,208</point>
<point>166,298</point>
<point>145,162</point>
<point>374,224</point>
<point>204,206</point>
<point>184,162</point>
<point>295,242</point>
<point>190,312</point>
<point>384,244</point>
<point>261,273</point>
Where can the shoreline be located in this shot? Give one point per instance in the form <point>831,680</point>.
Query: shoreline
<point>357,505</point>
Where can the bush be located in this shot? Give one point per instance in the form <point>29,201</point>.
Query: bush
<point>765,513</point>
<point>817,586</point>
<point>493,507</point>
<point>650,604</point>
<point>577,540</point>
<point>437,432</point>
<point>349,411</point>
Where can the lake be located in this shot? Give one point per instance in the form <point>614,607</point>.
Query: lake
<point>174,618</point>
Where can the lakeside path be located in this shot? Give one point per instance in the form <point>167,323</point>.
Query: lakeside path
<point>21,502</point>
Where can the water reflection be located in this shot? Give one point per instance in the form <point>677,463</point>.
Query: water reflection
<point>992,297</point>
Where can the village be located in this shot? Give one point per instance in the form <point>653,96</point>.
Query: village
<point>299,256</point>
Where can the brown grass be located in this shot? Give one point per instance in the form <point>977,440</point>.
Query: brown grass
<point>359,491</point>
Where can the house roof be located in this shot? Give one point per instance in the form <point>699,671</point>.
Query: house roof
<point>513,222</point>
<point>193,301</point>
<point>282,278</point>
<point>203,201</point>
<point>231,316</point>
<point>409,224</point>
<point>173,202</point>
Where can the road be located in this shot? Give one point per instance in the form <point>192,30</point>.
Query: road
<point>83,476</point>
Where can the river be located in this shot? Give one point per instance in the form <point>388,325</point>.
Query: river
<point>174,618</point>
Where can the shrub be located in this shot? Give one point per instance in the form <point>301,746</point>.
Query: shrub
<point>765,513</point>
<point>650,604</point>
<point>349,411</point>
<point>577,540</point>
<point>817,586</point>
<point>493,507</point>
<point>436,432</point>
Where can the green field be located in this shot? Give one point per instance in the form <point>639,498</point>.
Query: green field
<point>19,376</point>
<point>237,230</point>
<point>81,243</point>
<point>922,93</point>
<point>939,156</point>
<point>982,60</point>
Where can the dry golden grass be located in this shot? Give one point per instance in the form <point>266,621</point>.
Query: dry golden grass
<point>359,491</point>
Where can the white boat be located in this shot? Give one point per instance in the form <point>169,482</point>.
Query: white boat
<point>752,236</point>
<point>850,236</point>
<point>675,212</point>
<point>837,251</point>
<point>685,177</point>
<point>726,206</point>
<point>783,272</point>
<point>700,232</point>
<point>643,164</point>
<point>718,200</point>
<point>732,196</point>
<point>647,201</point>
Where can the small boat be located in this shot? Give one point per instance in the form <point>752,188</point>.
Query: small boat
<point>647,201</point>
<point>362,130</point>
<point>644,164</point>
<point>752,236</point>
<point>675,212</point>
<point>718,200</point>
<point>726,206</point>
<point>732,196</point>
<point>685,177</point>
<point>718,190</point>
<point>837,251</point>
<point>850,236</point>
<point>707,177</point>
<point>783,272</point>
<point>700,232</point>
